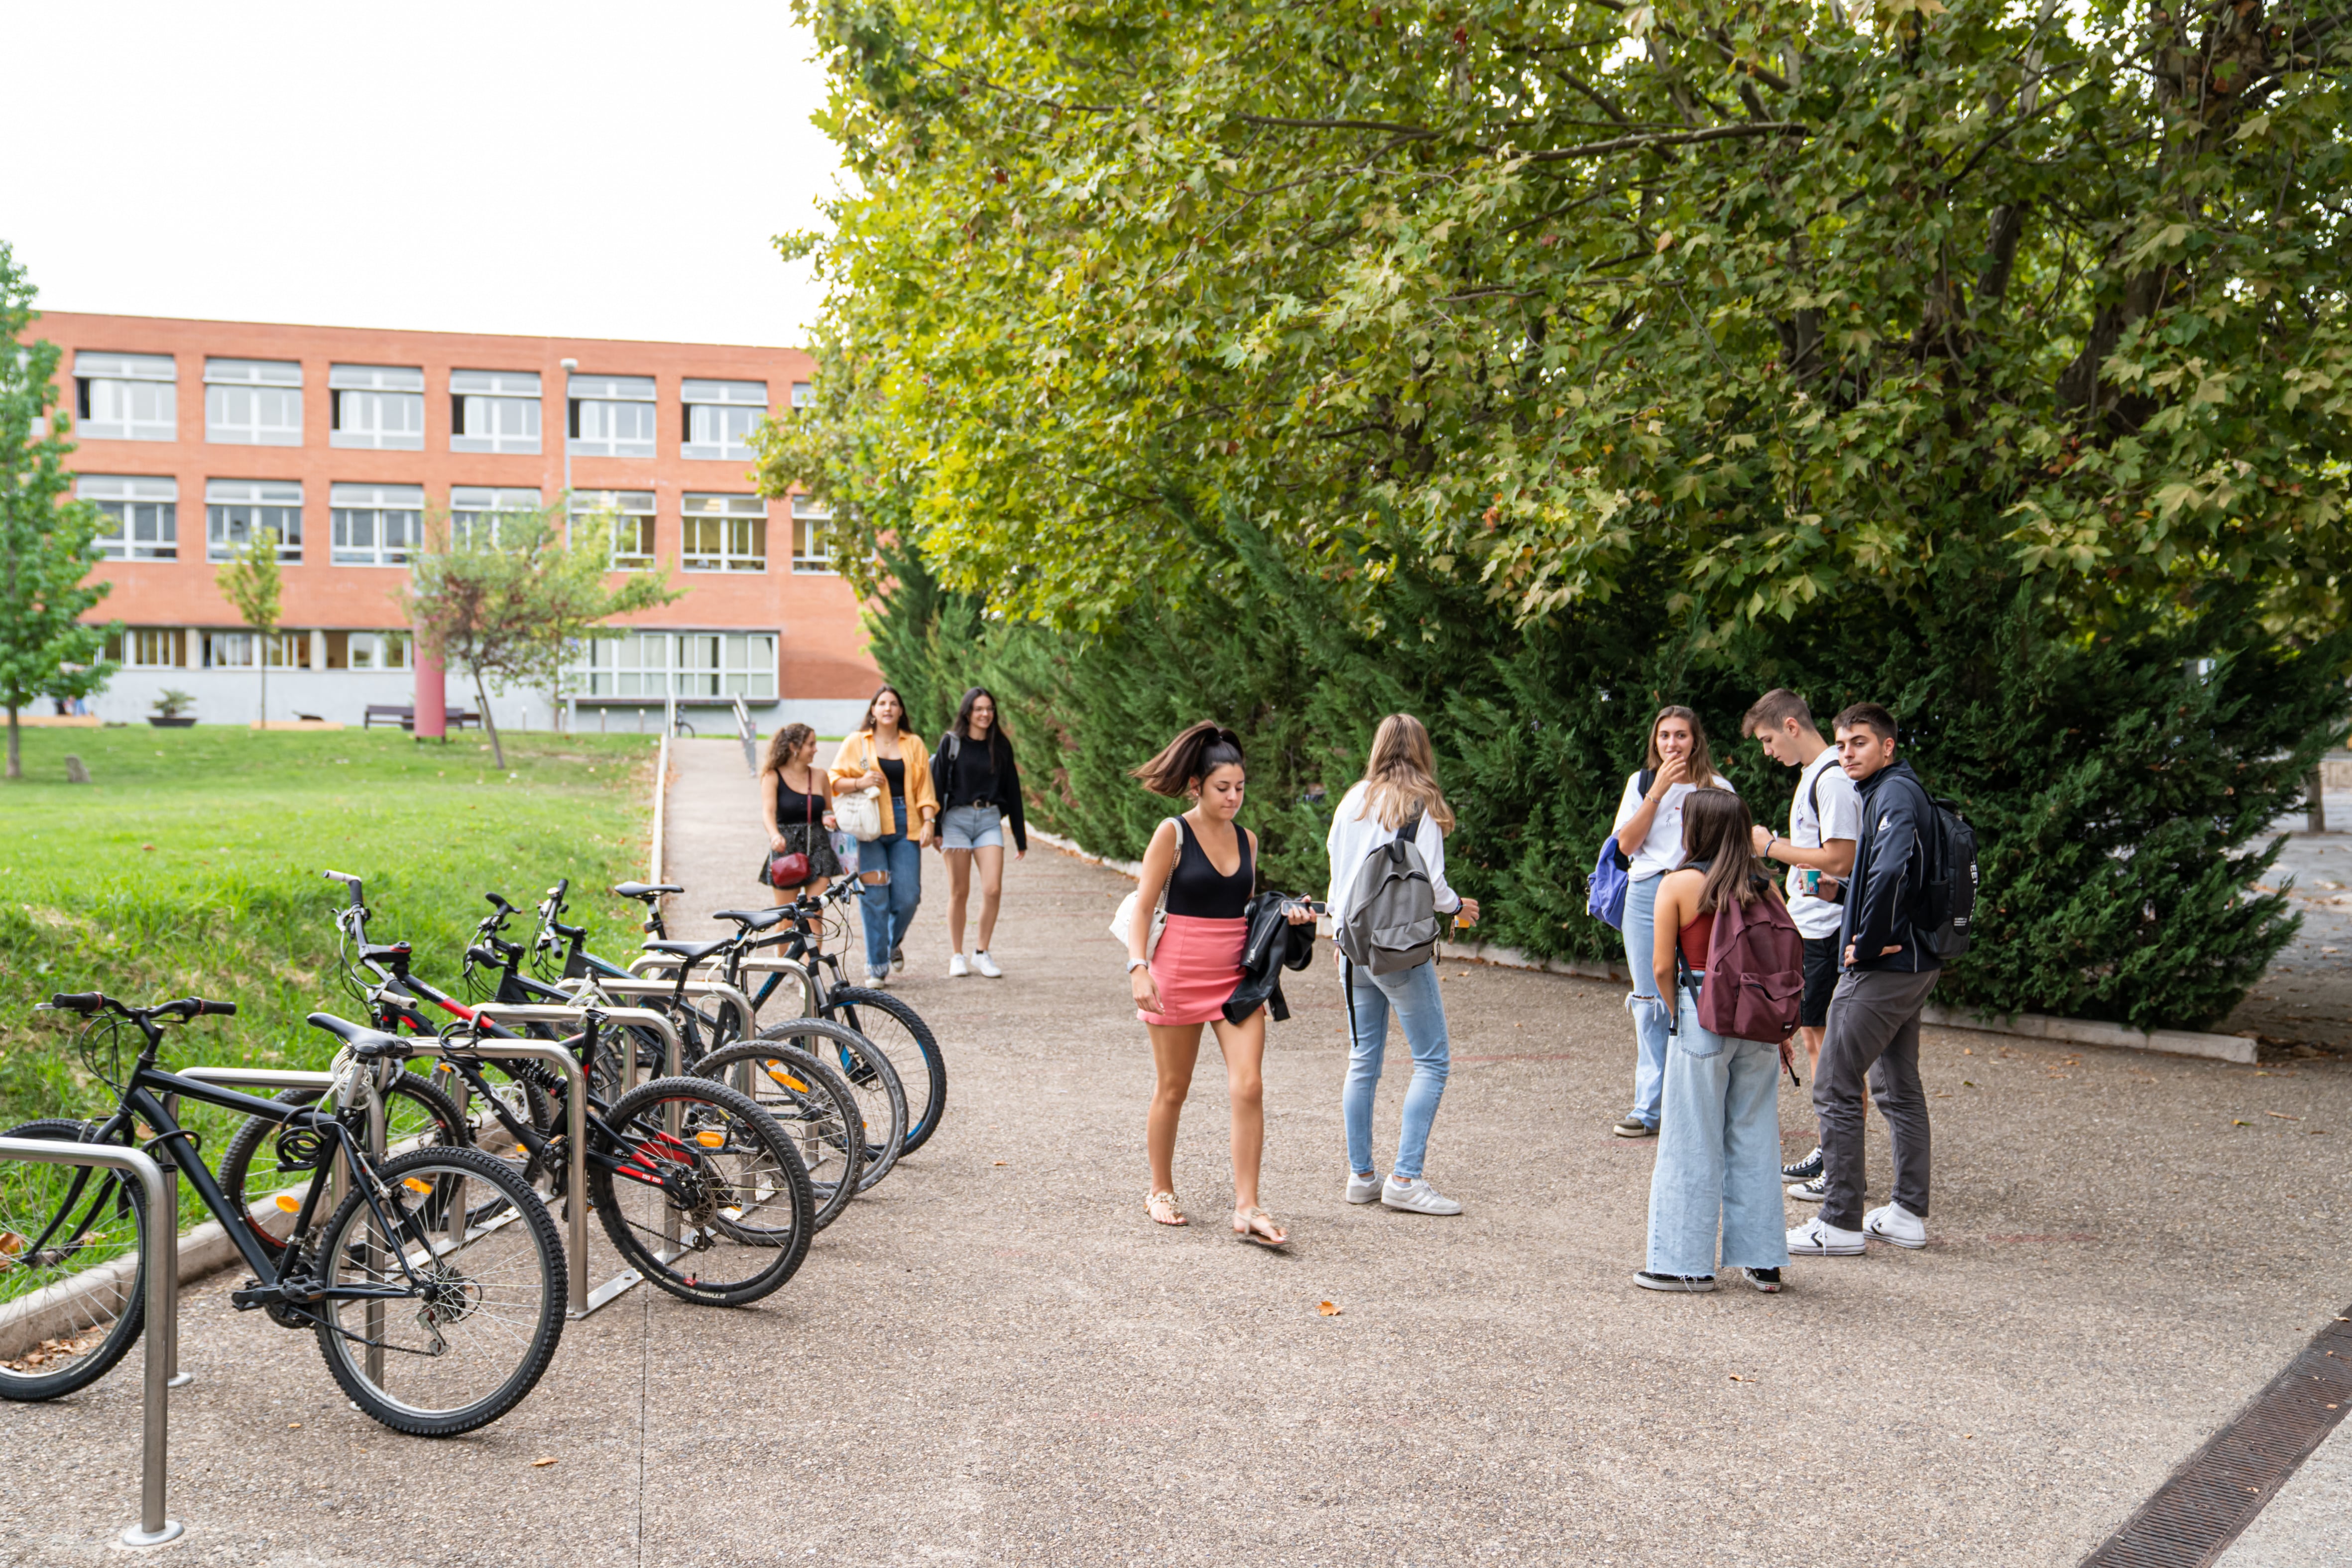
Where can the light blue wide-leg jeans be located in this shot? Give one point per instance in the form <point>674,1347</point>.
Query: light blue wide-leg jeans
<point>1412,995</point>
<point>1718,1155</point>
<point>885,909</point>
<point>1648,1012</point>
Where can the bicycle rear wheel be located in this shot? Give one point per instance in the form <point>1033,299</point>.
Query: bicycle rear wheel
<point>72,1281</point>
<point>900,1033</point>
<point>482,1305</point>
<point>813,1109</point>
<point>256,1162</point>
<point>881,1096</point>
<point>708,1201</point>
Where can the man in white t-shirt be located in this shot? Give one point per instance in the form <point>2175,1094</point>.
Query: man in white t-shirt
<point>1824,821</point>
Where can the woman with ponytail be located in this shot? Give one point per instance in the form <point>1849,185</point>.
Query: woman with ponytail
<point>1206,866</point>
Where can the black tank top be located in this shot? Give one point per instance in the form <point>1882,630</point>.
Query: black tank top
<point>1195,889</point>
<point>794,808</point>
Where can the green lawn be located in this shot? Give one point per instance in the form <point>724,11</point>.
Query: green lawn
<point>191,865</point>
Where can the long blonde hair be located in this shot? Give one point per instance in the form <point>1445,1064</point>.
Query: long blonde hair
<point>1401,776</point>
<point>1702,766</point>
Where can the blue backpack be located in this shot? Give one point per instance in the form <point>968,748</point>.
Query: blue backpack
<point>1605,892</point>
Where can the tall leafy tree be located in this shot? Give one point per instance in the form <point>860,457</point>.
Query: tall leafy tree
<point>511,602</point>
<point>251,582</point>
<point>45,648</point>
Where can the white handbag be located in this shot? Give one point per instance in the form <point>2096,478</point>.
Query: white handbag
<point>860,814</point>
<point>1123,923</point>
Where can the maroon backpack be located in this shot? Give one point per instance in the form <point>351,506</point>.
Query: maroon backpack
<point>1755,984</point>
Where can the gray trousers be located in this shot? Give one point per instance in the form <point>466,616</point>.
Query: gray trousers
<point>1874,1028</point>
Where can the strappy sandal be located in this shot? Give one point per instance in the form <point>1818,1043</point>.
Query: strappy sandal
<point>1259,1228</point>
<point>1154,1204</point>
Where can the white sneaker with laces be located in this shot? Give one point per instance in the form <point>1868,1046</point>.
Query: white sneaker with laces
<point>1819,1238</point>
<point>877,977</point>
<point>958,968</point>
<point>1416,1196</point>
<point>1895,1223</point>
<point>1812,1192</point>
<point>1363,1189</point>
<point>984,964</point>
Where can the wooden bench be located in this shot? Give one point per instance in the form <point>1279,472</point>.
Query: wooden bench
<point>405,716</point>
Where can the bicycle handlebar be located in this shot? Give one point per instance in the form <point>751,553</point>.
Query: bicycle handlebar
<point>349,882</point>
<point>88,1003</point>
<point>82,1002</point>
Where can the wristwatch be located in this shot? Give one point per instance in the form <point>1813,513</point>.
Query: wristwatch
<point>1135,964</point>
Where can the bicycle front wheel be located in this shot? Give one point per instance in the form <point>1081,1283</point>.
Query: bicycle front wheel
<point>701,1193</point>
<point>71,1280</point>
<point>813,1109</point>
<point>881,1096</point>
<point>900,1033</point>
<point>472,1311</point>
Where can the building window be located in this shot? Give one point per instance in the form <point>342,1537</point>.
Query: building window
<point>375,525</point>
<point>147,648</point>
<point>635,664</point>
<point>376,405</point>
<point>612,416</point>
<point>235,650</point>
<point>236,511</point>
<point>366,650</point>
<point>140,516</point>
<point>803,394</point>
<point>253,402</point>
<point>811,536</point>
<point>652,665</point>
<point>726,664</point>
<point>721,417</point>
<point>126,397</point>
<point>493,411</point>
<point>475,510</point>
<point>725,534</point>
<point>632,515</point>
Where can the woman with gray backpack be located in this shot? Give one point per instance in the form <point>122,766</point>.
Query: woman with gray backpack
<point>1387,847</point>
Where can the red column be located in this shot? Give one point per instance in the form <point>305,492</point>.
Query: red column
<point>432,700</point>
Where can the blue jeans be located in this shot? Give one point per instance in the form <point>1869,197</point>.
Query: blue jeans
<point>1718,1155</point>
<point>1649,1013</point>
<point>1421,1014</point>
<point>885,911</point>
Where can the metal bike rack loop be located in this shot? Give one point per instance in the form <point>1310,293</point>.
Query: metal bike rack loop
<point>745,1016</point>
<point>159,1258</point>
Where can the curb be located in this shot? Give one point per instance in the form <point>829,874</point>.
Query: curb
<point>2235,1048</point>
<point>203,1251</point>
<point>661,800</point>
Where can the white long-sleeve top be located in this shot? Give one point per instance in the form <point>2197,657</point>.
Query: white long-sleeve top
<point>1355,835</point>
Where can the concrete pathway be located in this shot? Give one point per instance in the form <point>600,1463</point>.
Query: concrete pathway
<point>994,1358</point>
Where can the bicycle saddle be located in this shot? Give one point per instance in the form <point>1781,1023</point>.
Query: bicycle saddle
<point>365,1043</point>
<point>694,952</point>
<point>648,891</point>
<point>755,920</point>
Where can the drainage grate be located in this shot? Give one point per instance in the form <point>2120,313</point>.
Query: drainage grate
<point>2193,1517</point>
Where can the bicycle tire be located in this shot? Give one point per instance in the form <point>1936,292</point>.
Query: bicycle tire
<point>739,1125</point>
<point>871,1078</point>
<point>819,1110</point>
<point>532,1224</point>
<point>56,1195</point>
<point>238,1156</point>
<point>927,1095</point>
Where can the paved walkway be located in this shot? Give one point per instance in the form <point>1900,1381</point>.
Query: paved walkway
<point>995,1359</point>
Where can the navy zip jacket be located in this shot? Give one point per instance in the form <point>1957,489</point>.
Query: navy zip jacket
<point>1890,873</point>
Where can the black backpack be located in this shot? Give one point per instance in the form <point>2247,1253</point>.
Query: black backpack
<point>1947,903</point>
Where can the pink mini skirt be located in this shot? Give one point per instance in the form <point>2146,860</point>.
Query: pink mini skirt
<point>1196,966</point>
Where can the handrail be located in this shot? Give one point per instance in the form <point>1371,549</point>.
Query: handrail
<point>749,733</point>
<point>159,1250</point>
<point>661,807</point>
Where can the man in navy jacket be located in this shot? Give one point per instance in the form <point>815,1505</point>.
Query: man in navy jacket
<point>1873,1024</point>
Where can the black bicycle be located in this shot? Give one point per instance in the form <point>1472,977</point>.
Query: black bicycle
<point>433,1324</point>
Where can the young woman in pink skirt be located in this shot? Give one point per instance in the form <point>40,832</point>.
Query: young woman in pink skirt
<point>1207,866</point>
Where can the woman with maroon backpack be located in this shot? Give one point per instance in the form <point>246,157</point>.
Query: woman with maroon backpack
<point>1734,970</point>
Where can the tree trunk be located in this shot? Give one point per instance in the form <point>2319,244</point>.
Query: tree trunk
<point>15,758</point>
<point>2314,789</point>
<point>497,751</point>
<point>265,687</point>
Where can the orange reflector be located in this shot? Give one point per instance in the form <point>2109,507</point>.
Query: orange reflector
<point>787,1079</point>
<point>711,1140</point>
<point>289,1203</point>
<point>416,1184</point>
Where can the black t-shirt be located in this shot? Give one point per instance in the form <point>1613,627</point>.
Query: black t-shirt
<point>894,773</point>
<point>975,775</point>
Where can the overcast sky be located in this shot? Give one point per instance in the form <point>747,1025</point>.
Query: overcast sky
<point>588,168</point>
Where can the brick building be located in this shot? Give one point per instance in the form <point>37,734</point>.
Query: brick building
<point>194,436</point>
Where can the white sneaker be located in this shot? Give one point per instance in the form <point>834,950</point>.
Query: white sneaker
<point>877,977</point>
<point>1363,1189</point>
<point>1416,1196</point>
<point>1819,1238</point>
<point>984,964</point>
<point>958,968</point>
<point>1895,1223</point>
<point>1814,1192</point>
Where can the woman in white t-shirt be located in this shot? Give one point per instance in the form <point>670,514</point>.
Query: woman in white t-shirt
<point>1649,833</point>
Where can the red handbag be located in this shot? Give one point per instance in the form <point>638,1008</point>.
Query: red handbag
<point>790,870</point>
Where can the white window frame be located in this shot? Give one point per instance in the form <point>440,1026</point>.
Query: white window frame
<point>253,402</point>
<point>812,539</point>
<point>494,411</point>
<point>719,417</point>
<point>803,394</point>
<point>381,511</point>
<point>126,397</point>
<point>473,505</point>
<point>146,513</point>
<point>634,521</point>
<point>236,511</point>
<point>723,533</point>
<point>227,648</point>
<point>361,397</point>
<point>642,666</point>
<point>374,653</point>
<point>148,648</point>
<point>611,416</point>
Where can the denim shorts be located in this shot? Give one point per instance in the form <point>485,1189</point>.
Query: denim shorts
<point>972,827</point>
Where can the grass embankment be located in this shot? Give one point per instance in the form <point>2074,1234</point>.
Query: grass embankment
<point>190,865</point>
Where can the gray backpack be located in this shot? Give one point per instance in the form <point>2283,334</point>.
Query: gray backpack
<point>1390,921</point>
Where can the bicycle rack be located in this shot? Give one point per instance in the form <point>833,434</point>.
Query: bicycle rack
<point>159,1248</point>
<point>757,964</point>
<point>745,1016</point>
